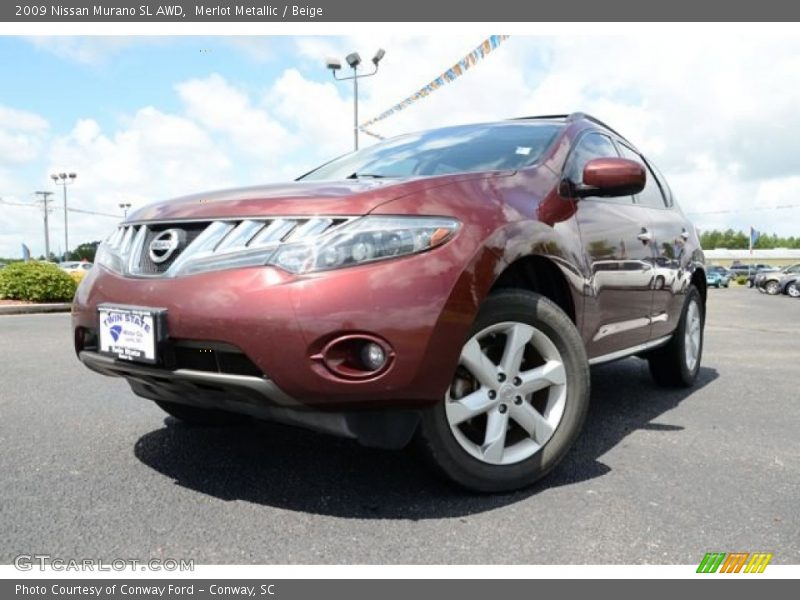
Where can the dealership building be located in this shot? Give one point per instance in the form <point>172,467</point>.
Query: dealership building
<point>777,257</point>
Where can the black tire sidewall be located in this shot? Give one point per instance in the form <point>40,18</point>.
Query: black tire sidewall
<point>689,375</point>
<point>544,315</point>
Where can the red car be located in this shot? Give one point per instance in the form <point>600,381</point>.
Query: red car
<point>450,286</point>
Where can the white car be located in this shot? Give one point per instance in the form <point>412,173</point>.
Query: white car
<point>74,266</point>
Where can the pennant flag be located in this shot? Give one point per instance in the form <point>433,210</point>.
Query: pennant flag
<point>26,253</point>
<point>451,74</point>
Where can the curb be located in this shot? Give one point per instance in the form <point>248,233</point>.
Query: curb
<point>27,309</point>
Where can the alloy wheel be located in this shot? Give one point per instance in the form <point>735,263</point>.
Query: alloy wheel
<point>692,334</point>
<point>508,395</point>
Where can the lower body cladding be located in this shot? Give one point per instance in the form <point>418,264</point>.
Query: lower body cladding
<point>257,397</point>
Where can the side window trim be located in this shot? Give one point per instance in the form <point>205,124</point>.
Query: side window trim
<point>666,204</point>
<point>578,141</point>
<point>573,151</point>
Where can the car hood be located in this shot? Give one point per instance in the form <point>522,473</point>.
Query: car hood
<point>298,198</point>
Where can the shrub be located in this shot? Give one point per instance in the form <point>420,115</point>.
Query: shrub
<point>36,282</point>
<point>741,279</point>
<point>77,275</point>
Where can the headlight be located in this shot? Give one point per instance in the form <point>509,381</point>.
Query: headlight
<point>359,241</point>
<point>365,240</point>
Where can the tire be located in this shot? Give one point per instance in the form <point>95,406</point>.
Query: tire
<point>677,363</point>
<point>772,287</point>
<point>749,283</point>
<point>202,417</point>
<point>525,369</point>
<point>793,289</point>
<point>727,284</point>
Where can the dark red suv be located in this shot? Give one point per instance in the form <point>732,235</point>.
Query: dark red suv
<point>450,287</point>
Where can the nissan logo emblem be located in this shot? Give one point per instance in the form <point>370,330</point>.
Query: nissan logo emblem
<point>164,245</point>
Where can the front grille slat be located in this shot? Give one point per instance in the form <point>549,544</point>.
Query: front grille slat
<point>240,236</point>
<point>201,241</point>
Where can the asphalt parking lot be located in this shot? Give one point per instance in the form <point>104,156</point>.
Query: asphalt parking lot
<point>659,476</point>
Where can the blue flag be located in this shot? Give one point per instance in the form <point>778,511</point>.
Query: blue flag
<point>754,235</point>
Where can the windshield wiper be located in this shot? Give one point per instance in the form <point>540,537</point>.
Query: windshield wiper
<point>357,175</point>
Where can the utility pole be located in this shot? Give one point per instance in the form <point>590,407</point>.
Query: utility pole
<point>44,198</point>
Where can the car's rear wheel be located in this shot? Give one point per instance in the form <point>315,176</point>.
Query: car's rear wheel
<point>793,289</point>
<point>772,287</point>
<point>518,398</point>
<point>677,363</point>
<point>203,417</point>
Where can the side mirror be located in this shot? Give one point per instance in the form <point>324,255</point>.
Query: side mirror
<point>609,177</point>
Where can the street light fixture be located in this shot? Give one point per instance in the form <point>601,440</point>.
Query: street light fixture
<point>354,60</point>
<point>124,206</point>
<point>64,179</point>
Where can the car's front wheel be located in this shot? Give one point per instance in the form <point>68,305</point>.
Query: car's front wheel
<point>677,363</point>
<point>793,289</point>
<point>517,400</point>
<point>772,288</point>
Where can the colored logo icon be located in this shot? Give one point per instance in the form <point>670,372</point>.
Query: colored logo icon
<point>734,562</point>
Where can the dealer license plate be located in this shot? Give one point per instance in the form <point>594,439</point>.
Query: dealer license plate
<point>130,332</point>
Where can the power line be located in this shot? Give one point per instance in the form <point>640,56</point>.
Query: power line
<point>741,210</point>
<point>76,210</point>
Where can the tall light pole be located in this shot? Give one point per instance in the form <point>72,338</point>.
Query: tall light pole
<point>45,198</point>
<point>64,179</point>
<point>124,206</point>
<point>354,60</point>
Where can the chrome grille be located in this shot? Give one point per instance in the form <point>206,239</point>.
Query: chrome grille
<point>209,240</point>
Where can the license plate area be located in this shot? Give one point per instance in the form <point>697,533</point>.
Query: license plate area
<point>132,333</point>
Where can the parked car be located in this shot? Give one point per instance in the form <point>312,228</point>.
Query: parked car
<point>72,266</point>
<point>770,282</point>
<point>718,277</point>
<point>752,277</point>
<point>791,286</point>
<point>441,286</point>
<point>737,269</point>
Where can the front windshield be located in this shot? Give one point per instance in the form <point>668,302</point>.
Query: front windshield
<point>466,148</point>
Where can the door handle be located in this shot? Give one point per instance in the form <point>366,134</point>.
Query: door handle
<point>685,234</point>
<point>645,236</point>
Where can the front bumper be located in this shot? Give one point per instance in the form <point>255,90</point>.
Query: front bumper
<point>281,322</point>
<point>257,397</point>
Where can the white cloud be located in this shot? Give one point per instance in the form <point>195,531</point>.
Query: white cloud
<point>86,50</point>
<point>718,118</point>
<point>151,156</point>
<point>220,107</point>
<point>22,135</point>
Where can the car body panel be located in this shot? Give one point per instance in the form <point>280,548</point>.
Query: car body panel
<point>421,305</point>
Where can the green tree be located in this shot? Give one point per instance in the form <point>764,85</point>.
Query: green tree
<point>84,251</point>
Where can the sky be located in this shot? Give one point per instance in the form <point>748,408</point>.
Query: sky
<point>141,119</point>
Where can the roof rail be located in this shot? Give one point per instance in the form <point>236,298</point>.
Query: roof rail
<point>579,115</point>
<point>565,117</point>
<point>576,116</point>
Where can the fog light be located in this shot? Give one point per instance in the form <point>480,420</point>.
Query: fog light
<point>373,356</point>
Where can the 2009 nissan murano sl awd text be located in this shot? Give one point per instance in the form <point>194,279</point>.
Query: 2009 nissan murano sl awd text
<point>449,287</point>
